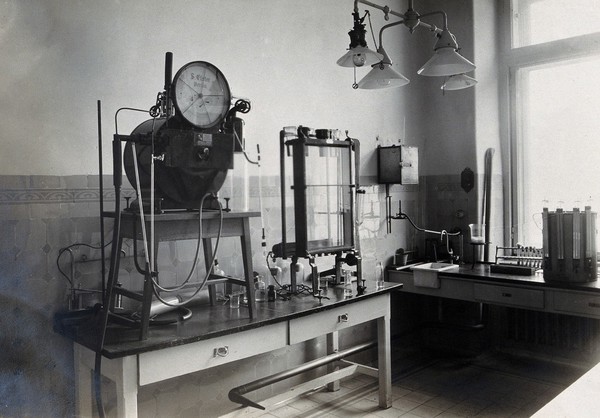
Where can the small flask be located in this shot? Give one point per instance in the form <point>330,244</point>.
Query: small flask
<point>219,288</point>
<point>260,289</point>
<point>271,293</point>
<point>347,284</point>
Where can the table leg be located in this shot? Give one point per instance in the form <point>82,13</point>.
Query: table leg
<point>384,362</point>
<point>333,346</point>
<point>122,371</point>
<point>127,387</point>
<point>83,385</point>
<point>208,255</point>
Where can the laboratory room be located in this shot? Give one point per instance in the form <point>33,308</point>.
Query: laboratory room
<point>318,208</point>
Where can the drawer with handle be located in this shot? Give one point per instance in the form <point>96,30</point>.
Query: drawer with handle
<point>577,303</point>
<point>511,296</point>
<point>155,366</point>
<point>311,326</point>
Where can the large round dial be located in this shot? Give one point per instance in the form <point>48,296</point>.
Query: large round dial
<point>201,94</point>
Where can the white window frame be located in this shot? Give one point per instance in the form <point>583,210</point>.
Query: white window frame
<point>511,97</point>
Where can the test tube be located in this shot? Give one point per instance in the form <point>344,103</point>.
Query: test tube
<point>545,232</point>
<point>589,232</point>
<point>560,234</point>
<point>576,234</point>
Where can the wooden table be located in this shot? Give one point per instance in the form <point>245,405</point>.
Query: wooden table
<point>531,293</point>
<point>217,335</point>
<point>478,284</point>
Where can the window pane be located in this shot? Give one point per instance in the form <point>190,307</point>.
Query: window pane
<point>560,141</point>
<point>538,21</point>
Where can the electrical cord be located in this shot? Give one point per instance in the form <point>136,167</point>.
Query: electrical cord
<point>68,249</point>
<point>284,290</point>
<point>270,254</point>
<point>208,268</point>
<point>239,141</point>
<point>150,262</point>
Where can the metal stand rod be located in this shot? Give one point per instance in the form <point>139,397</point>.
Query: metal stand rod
<point>237,394</point>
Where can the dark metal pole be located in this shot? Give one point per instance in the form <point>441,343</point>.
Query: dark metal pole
<point>101,191</point>
<point>236,394</point>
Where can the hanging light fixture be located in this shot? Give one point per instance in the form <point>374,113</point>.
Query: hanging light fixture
<point>358,53</point>
<point>458,82</point>
<point>382,75</point>
<point>446,60</point>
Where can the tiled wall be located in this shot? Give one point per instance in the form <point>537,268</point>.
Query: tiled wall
<point>41,215</point>
<point>448,206</point>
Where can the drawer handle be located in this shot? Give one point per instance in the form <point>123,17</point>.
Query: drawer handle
<point>343,318</point>
<point>594,305</point>
<point>507,295</point>
<point>221,351</point>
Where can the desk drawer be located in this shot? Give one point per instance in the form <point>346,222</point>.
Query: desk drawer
<point>512,296</point>
<point>577,304</point>
<point>312,326</point>
<point>158,365</point>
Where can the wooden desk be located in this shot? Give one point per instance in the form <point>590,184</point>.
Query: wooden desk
<point>531,293</point>
<point>194,345</point>
<point>526,292</point>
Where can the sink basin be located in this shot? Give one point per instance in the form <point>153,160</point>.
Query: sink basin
<point>426,275</point>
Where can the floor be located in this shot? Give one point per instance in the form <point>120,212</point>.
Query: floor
<point>489,385</point>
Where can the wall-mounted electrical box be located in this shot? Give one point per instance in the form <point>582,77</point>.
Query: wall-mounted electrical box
<point>397,164</point>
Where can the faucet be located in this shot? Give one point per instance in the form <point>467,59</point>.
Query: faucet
<point>453,257</point>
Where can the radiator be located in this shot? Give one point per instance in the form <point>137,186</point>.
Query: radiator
<point>551,332</point>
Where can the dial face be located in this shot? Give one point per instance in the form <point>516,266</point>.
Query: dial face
<point>201,94</point>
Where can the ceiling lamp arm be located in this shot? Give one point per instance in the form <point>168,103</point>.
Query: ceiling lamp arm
<point>438,12</point>
<point>386,58</point>
<point>385,9</point>
<point>406,18</point>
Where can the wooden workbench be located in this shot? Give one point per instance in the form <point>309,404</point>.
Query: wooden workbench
<point>478,284</point>
<point>217,335</point>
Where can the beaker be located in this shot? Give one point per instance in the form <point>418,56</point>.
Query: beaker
<point>477,233</point>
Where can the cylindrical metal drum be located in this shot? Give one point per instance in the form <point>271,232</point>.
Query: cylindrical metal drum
<point>188,163</point>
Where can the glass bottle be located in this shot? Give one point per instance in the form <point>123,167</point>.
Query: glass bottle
<point>260,289</point>
<point>271,293</point>
<point>219,288</point>
<point>347,284</point>
<point>379,276</point>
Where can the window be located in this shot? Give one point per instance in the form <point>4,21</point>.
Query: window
<point>539,21</point>
<point>555,111</point>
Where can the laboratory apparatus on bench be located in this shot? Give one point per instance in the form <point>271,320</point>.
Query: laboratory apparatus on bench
<point>569,245</point>
<point>319,182</point>
<point>177,161</point>
<point>189,142</point>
